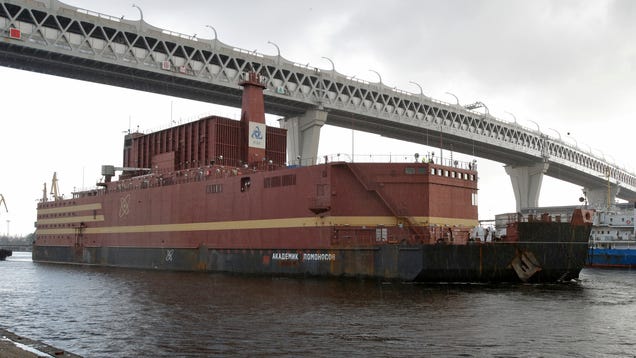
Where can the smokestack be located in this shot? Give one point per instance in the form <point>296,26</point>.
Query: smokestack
<point>253,118</point>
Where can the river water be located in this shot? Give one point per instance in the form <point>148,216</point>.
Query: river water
<point>106,312</point>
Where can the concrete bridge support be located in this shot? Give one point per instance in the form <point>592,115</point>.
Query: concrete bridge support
<point>303,135</point>
<point>526,183</point>
<point>601,197</point>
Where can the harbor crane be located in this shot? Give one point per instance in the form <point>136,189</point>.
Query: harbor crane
<point>2,201</point>
<point>54,190</point>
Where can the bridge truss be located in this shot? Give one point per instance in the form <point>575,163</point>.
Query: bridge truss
<point>58,39</point>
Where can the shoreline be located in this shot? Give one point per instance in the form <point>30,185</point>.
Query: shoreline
<point>14,346</point>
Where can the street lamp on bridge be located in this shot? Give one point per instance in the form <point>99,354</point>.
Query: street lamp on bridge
<point>333,67</point>
<point>418,86</point>
<point>141,13</point>
<point>537,124</point>
<point>456,99</point>
<point>576,144</point>
<point>376,72</point>
<point>215,36</point>
<point>513,116</point>
<point>557,132</point>
<point>277,51</point>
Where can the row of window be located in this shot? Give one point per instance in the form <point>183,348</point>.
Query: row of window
<point>284,180</point>
<point>440,172</point>
<point>271,182</point>
<point>214,188</point>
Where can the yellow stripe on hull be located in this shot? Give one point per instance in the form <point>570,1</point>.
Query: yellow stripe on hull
<point>71,219</point>
<point>70,209</point>
<point>370,221</point>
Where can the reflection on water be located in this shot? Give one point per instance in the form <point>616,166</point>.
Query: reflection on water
<point>118,312</point>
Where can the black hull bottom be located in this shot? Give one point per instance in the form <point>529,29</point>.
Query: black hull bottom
<point>539,262</point>
<point>4,253</point>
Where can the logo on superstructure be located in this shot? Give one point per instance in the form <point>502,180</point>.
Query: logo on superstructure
<point>124,205</point>
<point>256,134</point>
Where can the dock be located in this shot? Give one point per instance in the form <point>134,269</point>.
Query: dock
<point>14,346</point>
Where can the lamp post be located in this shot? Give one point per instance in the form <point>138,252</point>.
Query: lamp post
<point>215,36</point>
<point>213,30</point>
<point>141,13</point>
<point>277,48</point>
<point>456,99</point>
<point>576,144</point>
<point>418,86</point>
<point>333,67</point>
<point>557,132</point>
<point>376,72</point>
<point>277,51</point>
<point>537,124</point>
<point>513,116</point>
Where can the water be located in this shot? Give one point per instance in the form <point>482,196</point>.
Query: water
<point>104,312</point>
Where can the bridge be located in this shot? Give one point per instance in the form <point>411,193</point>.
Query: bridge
<point>58,39</point>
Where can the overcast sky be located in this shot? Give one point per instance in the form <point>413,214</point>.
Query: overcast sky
<point>567,65</point>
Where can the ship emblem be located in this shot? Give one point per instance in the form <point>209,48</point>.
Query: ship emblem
<point>257,134</point>
<point>124,204</point>
<point>169,255</point>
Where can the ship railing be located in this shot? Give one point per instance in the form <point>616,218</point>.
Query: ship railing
<point>85,192</point>
<point>388,158</point>
<point>165,177</point>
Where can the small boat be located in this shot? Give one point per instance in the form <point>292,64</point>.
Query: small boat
<point>613,239</point>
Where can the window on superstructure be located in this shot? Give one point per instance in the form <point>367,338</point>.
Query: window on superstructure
<point>289,179</point>
<point>214,188</point>
<point>409,170</point>
<point>246,182</point>
<point>432,171</point>
<point>474,199</point>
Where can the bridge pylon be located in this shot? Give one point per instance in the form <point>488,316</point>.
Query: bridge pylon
<point>602,197</point>
<point>303,135</point>
<point>526,183</point>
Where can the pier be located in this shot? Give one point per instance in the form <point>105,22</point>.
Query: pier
<point>14,346</point>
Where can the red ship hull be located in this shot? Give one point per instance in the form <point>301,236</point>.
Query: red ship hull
<point>386,221</point>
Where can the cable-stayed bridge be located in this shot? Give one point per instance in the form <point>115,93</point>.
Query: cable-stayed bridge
<point>54,38</point>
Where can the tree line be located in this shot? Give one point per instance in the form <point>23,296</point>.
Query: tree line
<point>17,240</point>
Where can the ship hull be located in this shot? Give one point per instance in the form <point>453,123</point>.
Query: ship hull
<point>548,261</point>
<point>612,258</point>
<point>4,253</point>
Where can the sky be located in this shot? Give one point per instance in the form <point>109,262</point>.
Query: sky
<point>567,65</point>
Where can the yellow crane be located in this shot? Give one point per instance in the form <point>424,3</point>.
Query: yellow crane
<point>54,190</point>
<point>2,201</point>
